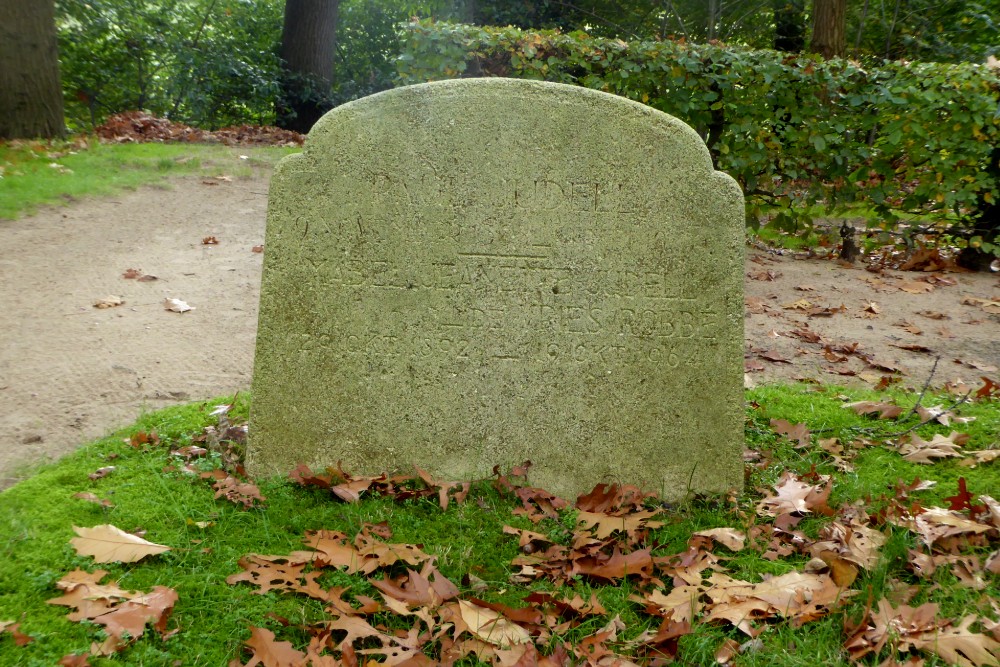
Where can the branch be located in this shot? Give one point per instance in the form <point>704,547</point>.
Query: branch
<point>923,391</point>
<point>960,401</point>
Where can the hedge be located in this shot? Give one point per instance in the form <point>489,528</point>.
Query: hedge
<point>911,141</point>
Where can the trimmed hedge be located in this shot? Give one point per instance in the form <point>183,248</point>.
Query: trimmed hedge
<point>904,139</point>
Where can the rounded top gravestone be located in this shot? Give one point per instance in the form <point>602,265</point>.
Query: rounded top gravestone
<point>480,272</point>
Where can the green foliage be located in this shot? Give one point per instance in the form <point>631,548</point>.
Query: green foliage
<point>207,62</point>
<point>938,30</point>
<point>907,139</point>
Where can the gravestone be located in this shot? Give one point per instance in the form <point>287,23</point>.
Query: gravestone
<point>473,273</point>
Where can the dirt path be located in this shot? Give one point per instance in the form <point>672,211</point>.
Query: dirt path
<point>70,372</point>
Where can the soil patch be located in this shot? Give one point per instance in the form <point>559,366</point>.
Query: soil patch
<point>70,372</point>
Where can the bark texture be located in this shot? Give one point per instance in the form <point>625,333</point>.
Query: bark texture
<point>829,28</point>
<point>308,43</point>
<point>31,103</point>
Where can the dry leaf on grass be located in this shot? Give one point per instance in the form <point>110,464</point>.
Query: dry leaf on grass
<point>269,652</point>
<point>108,544</point>
<point>124,614</point>
<point>91,498</point>
<point>918,450</point>
<point>904,627</point>
<point>795,496</point>
<point>884,410</point>
<point>490,626</point>
<point>13,628</point>
<point>732,539</point>
<point>941,415</point>
<point>938,523</point>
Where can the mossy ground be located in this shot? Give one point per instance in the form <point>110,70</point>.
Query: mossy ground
<point>37,518</point>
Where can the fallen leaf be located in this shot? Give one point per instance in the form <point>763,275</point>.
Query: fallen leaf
<point>991,306</point>
<point>176,305</point>
<point>271,653</point>
<point>941,415</point>
<point>101,473</point>
<point>210,240</point>
<point>108,544</point>
<point>774,356</point>
<point>795,496</point>
<point>990,390</point>
<point>910,327</point>
<point>729,649</point>
<point>14,630</point>
<point>732,539</point>
<point>124,614</point>
<point>978,365</point>
<point>257,248</point>
<point>91,498</point>
<point>798,433</point>
<point>938,523</point>
<point>111,301</point>
<point>884,410</point>
<point>960,645</point>
<point>490,626</point>
<point>918,450</point>
<point>239,492</point>
<point>915,287</point>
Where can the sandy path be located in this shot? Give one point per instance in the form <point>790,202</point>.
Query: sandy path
<point>70,372</point>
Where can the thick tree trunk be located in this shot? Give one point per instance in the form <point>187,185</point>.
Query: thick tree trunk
<point>308,43</point>
<point>31,103</point>
<point>789,26</point>
<point>829,29</point>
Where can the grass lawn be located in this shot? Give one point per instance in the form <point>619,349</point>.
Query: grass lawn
<point>35,173</point>
<point>870,490</point>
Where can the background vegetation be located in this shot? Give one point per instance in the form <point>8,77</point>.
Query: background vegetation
<point>906,140</point>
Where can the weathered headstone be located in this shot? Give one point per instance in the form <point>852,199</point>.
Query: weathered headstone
<point>486,271</point>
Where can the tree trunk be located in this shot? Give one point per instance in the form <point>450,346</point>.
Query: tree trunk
<point>789,26</point>
<point>829,36</point>
<point>308,43</point>
<point>31,103</point>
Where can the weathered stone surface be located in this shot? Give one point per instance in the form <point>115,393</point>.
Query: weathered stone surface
<point>486,271</point>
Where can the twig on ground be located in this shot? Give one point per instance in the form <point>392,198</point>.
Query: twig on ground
<point>923,391</point>
<point>951,407</point>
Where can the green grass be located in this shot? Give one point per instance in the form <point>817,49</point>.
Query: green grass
<point>37,516</point>
<point>34,174</point>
